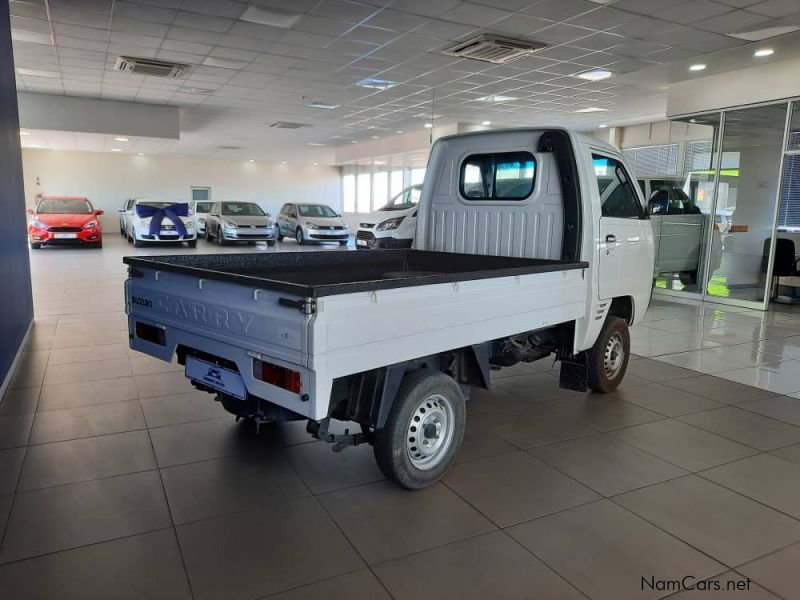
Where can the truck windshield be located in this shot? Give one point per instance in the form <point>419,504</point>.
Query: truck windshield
<point>64,207</point>
<point>241,209</point>
<point>316,210</point>
<point>405,199</point>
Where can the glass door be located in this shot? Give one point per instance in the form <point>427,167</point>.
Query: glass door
<point>744,211</point>
<point>681,204</point>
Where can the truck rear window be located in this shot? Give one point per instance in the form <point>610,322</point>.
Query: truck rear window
<point>505,176</point>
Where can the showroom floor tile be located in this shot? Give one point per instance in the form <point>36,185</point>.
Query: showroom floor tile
<point>108,457</point>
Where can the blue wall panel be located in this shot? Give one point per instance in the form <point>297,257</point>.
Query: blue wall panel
<point>16,303</point>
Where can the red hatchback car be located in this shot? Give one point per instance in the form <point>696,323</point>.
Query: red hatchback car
<point>65,220</point>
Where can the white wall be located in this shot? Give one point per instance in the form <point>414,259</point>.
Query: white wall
<point>108,179</point>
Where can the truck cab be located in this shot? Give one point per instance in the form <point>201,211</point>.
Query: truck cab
<point>544,194</point>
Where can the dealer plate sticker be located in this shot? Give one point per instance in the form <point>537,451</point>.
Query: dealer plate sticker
<point>65,236</point>
<point>216,377</point>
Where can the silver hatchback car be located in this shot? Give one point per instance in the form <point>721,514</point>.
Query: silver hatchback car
<point>230,222</point>
<point>307,222</point>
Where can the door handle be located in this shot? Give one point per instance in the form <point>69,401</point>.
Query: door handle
<point>611,239</point>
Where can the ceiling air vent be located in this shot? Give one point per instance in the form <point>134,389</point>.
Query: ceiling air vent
<point>288,125</point>
<point>150,66</point>
<point>493,49</point>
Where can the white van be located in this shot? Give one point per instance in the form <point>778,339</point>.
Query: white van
<point>392,225</point>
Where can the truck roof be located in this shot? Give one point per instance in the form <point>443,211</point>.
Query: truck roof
<point>575,136</point>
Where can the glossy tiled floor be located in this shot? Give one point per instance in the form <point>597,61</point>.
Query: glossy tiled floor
<point>117,480</point>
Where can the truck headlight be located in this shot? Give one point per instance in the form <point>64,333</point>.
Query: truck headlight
<point>90,224</point>
<point>390,224</point>
<point>312,225</point>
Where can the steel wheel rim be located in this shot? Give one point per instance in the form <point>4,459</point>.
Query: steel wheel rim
<point>430,432</point>
<point>614,356</point>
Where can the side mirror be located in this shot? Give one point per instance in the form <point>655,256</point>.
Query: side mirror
<point>29,211</point>
<point>99,212</point>
<point>269,214</point>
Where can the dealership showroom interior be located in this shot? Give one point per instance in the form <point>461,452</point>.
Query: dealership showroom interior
<point>399,299</point>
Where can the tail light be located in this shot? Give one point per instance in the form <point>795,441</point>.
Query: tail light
<point>279,376</point>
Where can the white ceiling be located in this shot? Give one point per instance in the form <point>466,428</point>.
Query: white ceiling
<point>265,74</point>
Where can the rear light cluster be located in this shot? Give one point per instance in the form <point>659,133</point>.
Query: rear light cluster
<point>279,376</point>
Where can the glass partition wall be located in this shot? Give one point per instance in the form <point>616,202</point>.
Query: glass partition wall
<point>733,191</point>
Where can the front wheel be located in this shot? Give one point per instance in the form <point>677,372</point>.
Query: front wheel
<point>608,358</point>
<point>280,236</point>
<point>424,430</point>
<point>35,246</point>
<point>298,236</point>
<point>192,244</point>
<point>270,243</point>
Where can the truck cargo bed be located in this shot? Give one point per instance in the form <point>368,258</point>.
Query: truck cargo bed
<point>328,273</point>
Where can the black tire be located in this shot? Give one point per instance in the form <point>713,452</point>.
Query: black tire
<point>415,394</point>
<point>129,237</point>
<point>688,277</point>
<point>192,244</point>
<point>298,236</point>
<point>35,246</point>
<point>98,244</point>
<point>221,238</point>
<point>138,243</point>
<point>280,235</point>
<point>613,337</point>
<point>270,243</point>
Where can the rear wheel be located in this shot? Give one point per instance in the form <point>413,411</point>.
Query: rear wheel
<point>35,245</point>
<point>608,358</point>
<point>424,430</point>
<point>298,235</point>
<point>688,277</point>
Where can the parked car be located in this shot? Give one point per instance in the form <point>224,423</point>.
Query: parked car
<point>393,225</point>
<point>517,257</point>
<point>124,214</point>
<point>138,222</point>
<point>230,222</point>
<point>306,222</point>
<point>65,220</point>
<point>199,212</point>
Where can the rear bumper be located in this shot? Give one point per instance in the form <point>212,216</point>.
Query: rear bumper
<point>85,236</point>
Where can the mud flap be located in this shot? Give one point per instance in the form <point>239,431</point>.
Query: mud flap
<point>575,372</point>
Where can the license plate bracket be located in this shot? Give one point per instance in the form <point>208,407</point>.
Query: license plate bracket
<point>216,377</point>
<point>65,236</point>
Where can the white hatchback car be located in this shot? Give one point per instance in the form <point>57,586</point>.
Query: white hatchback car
<point>199,210</point>
<point>138,228</point>
<point>393,225</point>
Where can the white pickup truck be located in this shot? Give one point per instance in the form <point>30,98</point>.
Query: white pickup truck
<point>515,259</point>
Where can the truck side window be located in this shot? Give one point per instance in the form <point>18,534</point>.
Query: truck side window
<point>618,197</point>
<point>506,176</point>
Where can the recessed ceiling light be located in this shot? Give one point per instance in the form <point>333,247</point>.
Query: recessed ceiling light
<point>376,137</point>
<point>595,74</point>
<point>273,17</point>
<point>496,98</point>
<point>764,52</point>
<point>399,131</point>
<point>283,162</point>
<point>140,154</point>
<point>353,141</point>
<point>591,109</point>
<point>757,35</point>
<point>697,67</point>
<point>323,105</point>
<point>376,84</point>
<point>316,164</point>
<point>486,123</point>
<point>38,73</point>
<point>603,125</point>
<point>379,162</point>
<point>251,160</point>
<point>35,146</point>
<point>120,139</point>
<point>116,150</point>
<point>428,125</point>
<point>314,144</point>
